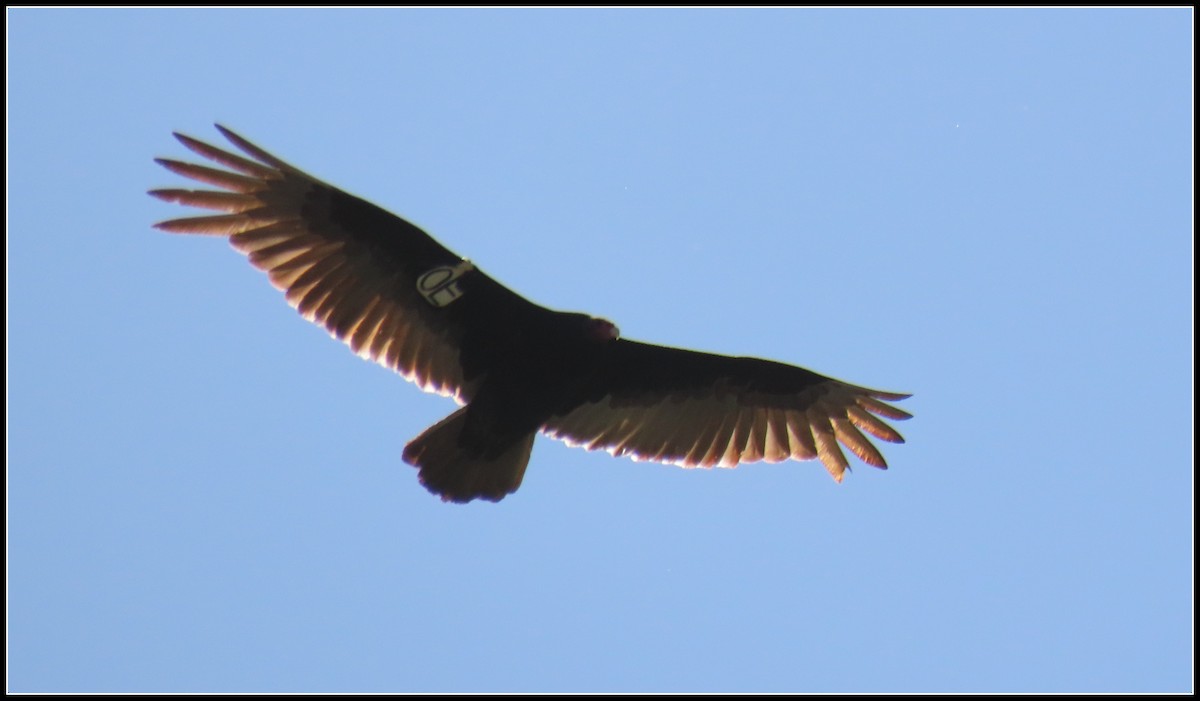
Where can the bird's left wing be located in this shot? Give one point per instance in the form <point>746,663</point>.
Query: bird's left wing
<point>700,409</point>
<point>372,279</point>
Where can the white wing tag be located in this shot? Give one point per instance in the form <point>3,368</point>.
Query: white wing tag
<point>439,286</point>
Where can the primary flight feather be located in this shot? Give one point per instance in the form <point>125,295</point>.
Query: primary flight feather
<point>396,296</point>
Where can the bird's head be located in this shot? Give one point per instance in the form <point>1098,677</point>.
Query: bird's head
<point>591,327</point>
<point>602,329</point>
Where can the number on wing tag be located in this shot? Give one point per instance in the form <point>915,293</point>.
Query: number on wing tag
<point>439,286</point>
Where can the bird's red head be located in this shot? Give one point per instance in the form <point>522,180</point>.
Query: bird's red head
<point>603,329</point>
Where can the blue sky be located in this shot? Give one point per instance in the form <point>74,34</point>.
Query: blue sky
<point>989,209</point>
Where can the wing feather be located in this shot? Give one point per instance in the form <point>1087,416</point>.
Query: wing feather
<point>234,161</point>
<point>285,244</point>
<point>849,436</point>
<point>363,334</point>
<point>828,451</point>
<point>801,437</point>
<point>209,199</point>
<point>870,403</point>
<point>739,441</point>
<point>778,445</point>
<point>871,424</point>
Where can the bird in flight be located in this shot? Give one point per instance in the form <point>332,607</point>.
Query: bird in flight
<point>398,297</point>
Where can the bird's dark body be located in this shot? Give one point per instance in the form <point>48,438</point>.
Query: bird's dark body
<point>567,363</point>
<point>397,296</point>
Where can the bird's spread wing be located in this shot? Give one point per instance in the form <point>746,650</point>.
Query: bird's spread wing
<point>700,410</point>
<point>372,279</point>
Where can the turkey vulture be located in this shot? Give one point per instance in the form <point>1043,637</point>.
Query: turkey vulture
<point>397,297</point>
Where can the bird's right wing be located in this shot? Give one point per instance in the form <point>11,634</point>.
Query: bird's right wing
<point>372,279</point>
<point>694,409</point>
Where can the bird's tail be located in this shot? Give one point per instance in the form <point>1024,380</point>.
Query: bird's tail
<point>457,471</point>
